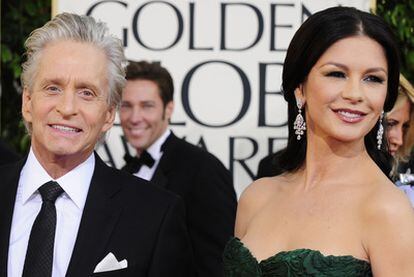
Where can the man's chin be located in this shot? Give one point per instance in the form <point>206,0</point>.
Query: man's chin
<point>138,145</point>
<point>68,150</point>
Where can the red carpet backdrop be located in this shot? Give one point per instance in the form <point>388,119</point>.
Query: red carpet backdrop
<point>226,59</point>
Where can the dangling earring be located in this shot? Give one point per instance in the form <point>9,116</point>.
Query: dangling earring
<point>299,125</point>
<point>380,131</point>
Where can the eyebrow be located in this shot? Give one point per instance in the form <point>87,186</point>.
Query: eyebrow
<point>46,81</point>
<point>372,69</point>
<point>140,102</point>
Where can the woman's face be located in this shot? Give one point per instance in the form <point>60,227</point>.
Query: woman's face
<point>398,122</point>
<point>345,90</point>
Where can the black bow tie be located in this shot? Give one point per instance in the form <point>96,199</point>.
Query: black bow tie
<point>133,164</point>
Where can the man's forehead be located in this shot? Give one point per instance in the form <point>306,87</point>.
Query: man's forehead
<point>70,52</point>
<point>142,90</point>
<point>59,61</point>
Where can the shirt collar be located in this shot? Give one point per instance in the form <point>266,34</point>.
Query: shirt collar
<point>155,148</point>
<point>75,183</point>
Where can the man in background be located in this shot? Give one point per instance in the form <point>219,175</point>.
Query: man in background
<point>172,163</point>
<point>63,211</point>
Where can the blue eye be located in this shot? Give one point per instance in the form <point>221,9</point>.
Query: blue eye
<point>336,74</point>
<point>86,93</point>
<point>52,89</point>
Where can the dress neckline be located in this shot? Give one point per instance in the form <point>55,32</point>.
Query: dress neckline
<point>299,250</point>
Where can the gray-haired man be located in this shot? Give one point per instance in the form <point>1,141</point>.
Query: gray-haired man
<point>63,212</point>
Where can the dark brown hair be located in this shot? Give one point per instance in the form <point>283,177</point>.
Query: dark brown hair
<point>153,71</point>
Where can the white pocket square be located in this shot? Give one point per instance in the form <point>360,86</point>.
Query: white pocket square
<point>110,263</point>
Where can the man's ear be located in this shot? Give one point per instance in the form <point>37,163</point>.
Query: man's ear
<point>109,120</point>
<point>169,108</point>
<point>300,94</point>
<point>27,105</point>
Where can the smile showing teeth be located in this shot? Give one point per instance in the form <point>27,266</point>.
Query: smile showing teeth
<point>137,131</point>
<point>65,128</point>
<point>348,114</point>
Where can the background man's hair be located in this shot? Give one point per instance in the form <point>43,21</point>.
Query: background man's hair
<point>143,70</point>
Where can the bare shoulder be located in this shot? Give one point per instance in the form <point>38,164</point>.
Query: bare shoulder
<point>261,191</point>
<point>388,230</point>
<point>253,199</point>
<point>385,200</point>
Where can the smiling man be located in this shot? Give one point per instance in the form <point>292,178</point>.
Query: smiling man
<point>63,211</point>
<point>172,163</point>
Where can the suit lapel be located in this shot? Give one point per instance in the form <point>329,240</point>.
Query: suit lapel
<point>10,175</point>
<point>159,178</point>
<point>166,163</point>
<point>98,221</point>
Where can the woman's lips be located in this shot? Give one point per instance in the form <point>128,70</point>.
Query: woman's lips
<point>350,116</point>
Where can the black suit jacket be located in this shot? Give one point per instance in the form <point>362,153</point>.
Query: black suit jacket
<point>124,215</point>
<point>207,189</point>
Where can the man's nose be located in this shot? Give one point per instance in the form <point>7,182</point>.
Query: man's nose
<point>136,115</point>
<point>67,104</point>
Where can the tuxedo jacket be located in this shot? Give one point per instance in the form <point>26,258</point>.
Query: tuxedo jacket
<point>124,215</point>
<point>207,189</point>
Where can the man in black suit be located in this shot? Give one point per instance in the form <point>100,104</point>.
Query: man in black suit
<point>187,170</point>
<point>63,211</point>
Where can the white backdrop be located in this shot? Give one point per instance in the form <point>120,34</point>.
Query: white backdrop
<point>226,60</point>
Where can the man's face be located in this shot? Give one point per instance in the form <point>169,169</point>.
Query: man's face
<point>143,115</point>
<point>67,104</point>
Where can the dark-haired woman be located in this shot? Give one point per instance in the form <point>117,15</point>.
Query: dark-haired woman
<point>333,212</point>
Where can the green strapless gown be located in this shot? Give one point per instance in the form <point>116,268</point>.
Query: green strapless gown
<point>239,262</point>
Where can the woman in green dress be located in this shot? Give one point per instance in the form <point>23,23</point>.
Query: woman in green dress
<point>333,211</point>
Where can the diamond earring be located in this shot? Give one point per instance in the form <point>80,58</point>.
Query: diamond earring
<point>299,125</point>
<point>380,131</point>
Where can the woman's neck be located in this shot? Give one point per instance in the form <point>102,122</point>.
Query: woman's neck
<point>329,161</point>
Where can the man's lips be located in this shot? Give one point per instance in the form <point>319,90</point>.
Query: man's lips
<point>65,128</point>
<point>349,116</point>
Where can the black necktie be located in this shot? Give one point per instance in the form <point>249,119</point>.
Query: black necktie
<point>39,255</point>
<point>133,164</point>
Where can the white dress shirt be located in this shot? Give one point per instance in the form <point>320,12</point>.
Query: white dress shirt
<point>69,208</point>
<point>154,150</point>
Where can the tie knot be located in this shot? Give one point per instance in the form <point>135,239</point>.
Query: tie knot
<point>50,191</point>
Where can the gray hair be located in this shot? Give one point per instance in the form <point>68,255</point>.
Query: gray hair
<point>79,28</point>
